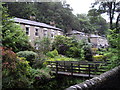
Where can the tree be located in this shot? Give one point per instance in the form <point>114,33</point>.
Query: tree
<point>85,24</point>
<point>114,50</point>
<point>20,9</point>
<point>12,35</point>
<point>97,21</point>
<point>46,12</point>
<point>111,8</point>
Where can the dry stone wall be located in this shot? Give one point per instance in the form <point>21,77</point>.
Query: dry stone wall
<point>109,80</point>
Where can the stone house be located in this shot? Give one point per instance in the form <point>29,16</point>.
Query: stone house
<point>36,30</point>
<point>95,40</point>
<point>98,41</point>
<point>77,34</point>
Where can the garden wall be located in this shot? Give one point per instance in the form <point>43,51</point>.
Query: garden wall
<point>108,80</point>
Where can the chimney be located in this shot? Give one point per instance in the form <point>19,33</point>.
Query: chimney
<point>52,23</point>
<point>32,17</point>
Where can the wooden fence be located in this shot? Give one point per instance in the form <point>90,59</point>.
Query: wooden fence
<point>76,68</point>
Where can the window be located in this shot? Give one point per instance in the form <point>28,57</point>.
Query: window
<point>45,32</point>
<point>52,34</point>
<point>36,31</point>
<point>27,31</point>
<point>59,33</point>
<point>36,46</point>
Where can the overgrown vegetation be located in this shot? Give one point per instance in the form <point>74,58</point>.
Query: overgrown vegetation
<point>25,67</point>
<point>70,47</point>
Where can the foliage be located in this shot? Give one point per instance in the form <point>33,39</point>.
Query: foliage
<point>60,83</point>
<point>29,55</point>
<point>62,43</point>
<point>17,73</point>
<point>14,70</point>
<point>40,76</point>
<point>94,50</point>
<point>98,58</point>
<point>85,24</point>
<point>9,59</point>
<point>114,39</point>
<point>12,35</point>
<point>61,58</point>
<point>98,22</point>
<point>46,12</point>
<point>43,45</point>
<point>68,46</point>
<point>52,54</point>
<point>112,9</point>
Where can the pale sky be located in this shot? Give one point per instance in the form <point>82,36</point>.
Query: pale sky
<point>80,6</point>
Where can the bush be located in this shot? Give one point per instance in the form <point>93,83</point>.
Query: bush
<point>40,76</point>
<point>52,54</point>
<point>63,43</point>
<point>9,59</point>
<point>98,58</point>
<point>15,70</point>
<point>94,50</point>
<point>60,58</point>
<point>69,46</point>
<point>12,34</point>
<point>29,55</point>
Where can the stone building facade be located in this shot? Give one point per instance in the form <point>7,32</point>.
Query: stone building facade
<point>36,30</point>
<point>95,40</point>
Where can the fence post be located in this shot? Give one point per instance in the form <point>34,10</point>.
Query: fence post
<point>89,70</point>
<point>79,67</point>
<point>71,68</point>
<point>56,67</point>
<point>64,66</point>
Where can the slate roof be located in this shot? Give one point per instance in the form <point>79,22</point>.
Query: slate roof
<point>35,23</point>
<point>94,36</point>
<point>76,32</point>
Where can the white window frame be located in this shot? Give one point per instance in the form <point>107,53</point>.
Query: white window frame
<point>45,32</point>
<point>52,33</point>
<point>36,46</point>
<point>59,33</point>
<point>27,26</point>
<point>36,31</point>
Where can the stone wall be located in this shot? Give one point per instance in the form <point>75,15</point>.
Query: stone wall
<point>109,80</point>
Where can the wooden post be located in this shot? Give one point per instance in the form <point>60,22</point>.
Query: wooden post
<point>72,69</point>
<point>79,67</point>
<point>89,70</point>
<point>64,66</point>
<point>95,69</point>
<point>56,67</point>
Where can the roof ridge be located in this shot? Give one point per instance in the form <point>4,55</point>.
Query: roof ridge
<point>21,20</point>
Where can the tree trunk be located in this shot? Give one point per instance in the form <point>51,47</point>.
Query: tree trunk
<point>111,11</point>
<point>117,23</point>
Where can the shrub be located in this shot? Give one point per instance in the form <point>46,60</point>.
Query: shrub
<point>43,45</point>
<point>63,43</point>
<point>59,58</point>
<point>9,59</point>
<point>29,55</point>
<point>15,70</point>
<point>40,76</point>
<point>69,46</point>
<point>52,54</point>
<point>12,34</point>
<point>98,57</point>
<point>94,50</point>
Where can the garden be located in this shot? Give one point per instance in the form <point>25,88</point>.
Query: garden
<point>25,67</point>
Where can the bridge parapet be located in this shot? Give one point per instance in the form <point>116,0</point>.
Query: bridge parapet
<point>108,80</point>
